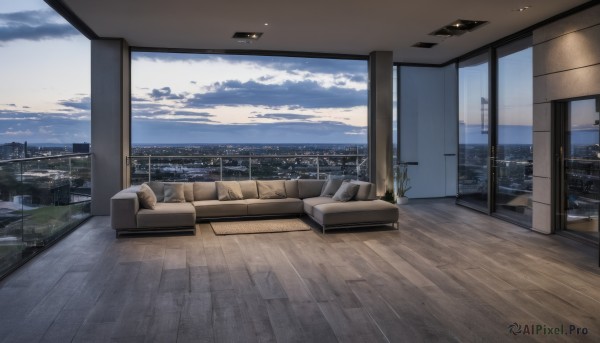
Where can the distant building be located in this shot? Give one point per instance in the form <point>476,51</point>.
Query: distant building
<point>81,148</point>
<point>12,151</point>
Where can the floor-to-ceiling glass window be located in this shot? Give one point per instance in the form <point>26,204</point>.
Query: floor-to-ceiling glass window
<point>230,117</point>
<point>473,131</point>
<point>580,195</point>
<point>514,156</point>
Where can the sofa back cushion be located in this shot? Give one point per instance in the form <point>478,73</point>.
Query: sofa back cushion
<point>174,192</point>
<point>205,191</point>
<point>364,190</point>
<point>271,189</point>
<point>291,188</point>
<point>158,187</point>
<point>188,190</point>
<point>310,188</point>
<point>249,190</point>
<point>229,190</point>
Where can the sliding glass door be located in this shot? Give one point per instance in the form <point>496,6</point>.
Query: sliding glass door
<point>495,132</point>
<point>513,163</point>
<point>580,167</point>
<point>473,132</point>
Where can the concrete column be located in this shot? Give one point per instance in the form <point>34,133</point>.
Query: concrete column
<point>381,68</point>
<point>110,120</point>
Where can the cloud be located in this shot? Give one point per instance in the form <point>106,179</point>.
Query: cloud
<point>33,25</point>
<point>164,93</point>
<point>305,94</point>
<point>83,103</point>
<point>354,68</point>
<point>284,116</point>
<point>146,132</point>
<point>9,132</point>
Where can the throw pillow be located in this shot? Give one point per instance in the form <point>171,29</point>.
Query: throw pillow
<point>146,197</point>
<point>158,188</point>
<point>331,187</point>
<point>174,192</point>
<point>346,192</point>
<point>364,190</point>
<point>229,190</point>
<point>271,189</point>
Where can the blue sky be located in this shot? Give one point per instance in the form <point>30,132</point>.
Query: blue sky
<point>45,68</point>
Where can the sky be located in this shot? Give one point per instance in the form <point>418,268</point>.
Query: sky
<point>45,72</point>
<point>176,98</point>
<point>196,98</point>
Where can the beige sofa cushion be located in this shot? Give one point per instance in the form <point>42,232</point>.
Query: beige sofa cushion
<point>146,197</point>
<point>331,187</point>
<point>364,190</point>
<point>291,188</point>
<point>158,187</point>
<point>167,215</point>
<point>205,191</point>
<point>310,203</point>
<point>229,190</point>
<point>355,212</point>
<point>346,192</point>
<point>310,188</point>
<point>249,190</point>
<point>271,189</point>
<point>258,207</point>
<point>216,208</point>
<point>174,192</point>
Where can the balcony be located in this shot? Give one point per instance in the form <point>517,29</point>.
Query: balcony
<point>41,199</point>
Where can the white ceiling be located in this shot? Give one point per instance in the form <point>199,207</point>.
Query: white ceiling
<point>324,26</point>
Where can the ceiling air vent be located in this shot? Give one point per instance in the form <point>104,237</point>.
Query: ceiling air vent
<point>424,45</point>
<point>246,37</point>
<point>458,27</point>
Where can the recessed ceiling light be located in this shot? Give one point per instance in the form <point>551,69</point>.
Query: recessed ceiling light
<point>424,45</point>
<point>266,24</point>
<point>247,35</point>
<point>458,27</point>
<point>523,9</point>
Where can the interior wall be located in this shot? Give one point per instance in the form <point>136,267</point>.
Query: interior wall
<point>428,130</point>
<point>566,64</point>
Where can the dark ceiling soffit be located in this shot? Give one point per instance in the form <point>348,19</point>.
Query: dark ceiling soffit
<point>252,52</point>
<point>72,18</point>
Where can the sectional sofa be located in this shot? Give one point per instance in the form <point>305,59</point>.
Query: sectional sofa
<point>178,206</point>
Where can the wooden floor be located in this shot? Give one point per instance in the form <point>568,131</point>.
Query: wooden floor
<point>449,274</point>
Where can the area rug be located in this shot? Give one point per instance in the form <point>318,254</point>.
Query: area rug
<point>259,226</point>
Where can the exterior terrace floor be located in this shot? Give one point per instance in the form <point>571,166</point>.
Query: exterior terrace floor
<point>448,274</point>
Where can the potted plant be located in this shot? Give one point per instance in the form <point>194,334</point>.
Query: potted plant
<point>402,183</point>
<point>389,196</point>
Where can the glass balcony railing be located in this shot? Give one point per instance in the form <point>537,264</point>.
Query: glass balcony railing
<point>246,167</point>
<point>40,200</point>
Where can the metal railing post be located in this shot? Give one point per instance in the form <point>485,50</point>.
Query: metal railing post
<point>149,168</point>
<point>250,168</point>
<point>221,167</point>
<point>318,169</point>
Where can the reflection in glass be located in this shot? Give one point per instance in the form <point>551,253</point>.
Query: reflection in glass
<point>40,200</point>
<point>582,168</point>
<point>473,112</point>
<point>514,155</point>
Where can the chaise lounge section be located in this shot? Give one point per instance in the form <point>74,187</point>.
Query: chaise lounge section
<point>171,206</point>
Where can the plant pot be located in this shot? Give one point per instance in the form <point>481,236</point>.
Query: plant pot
<point>402,201</point>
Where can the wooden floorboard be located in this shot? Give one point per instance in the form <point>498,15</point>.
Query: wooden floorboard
<point>449,274</point>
